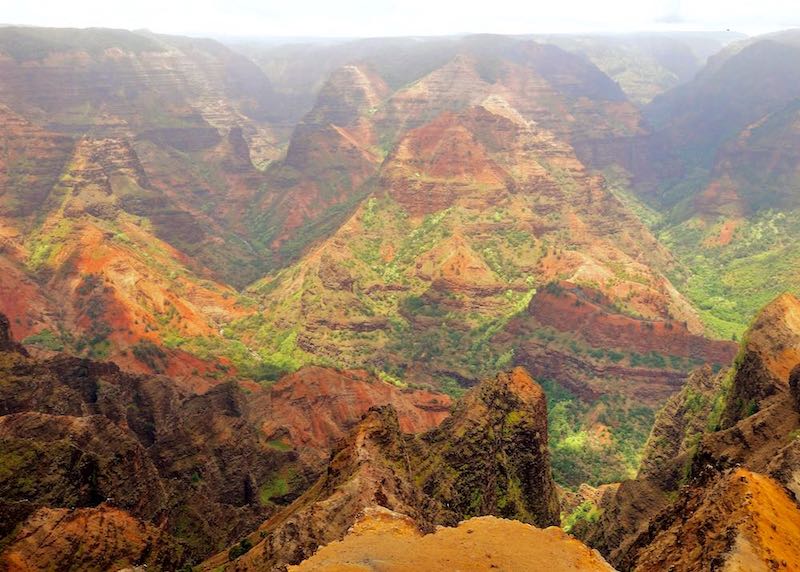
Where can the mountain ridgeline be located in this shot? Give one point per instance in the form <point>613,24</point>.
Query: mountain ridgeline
<point>281,306</point>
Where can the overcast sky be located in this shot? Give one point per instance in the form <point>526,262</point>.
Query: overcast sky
<point>360,18</point>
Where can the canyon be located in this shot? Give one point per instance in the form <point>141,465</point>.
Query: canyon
<point>375,304</point>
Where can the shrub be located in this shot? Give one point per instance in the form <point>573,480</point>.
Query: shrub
<point>150,354</point>
<point>45,339</point>
<point>243,547</point>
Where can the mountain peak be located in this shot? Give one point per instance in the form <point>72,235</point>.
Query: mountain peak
<point>496,452</point>
<point>517,384</point>
<point>771,350</point>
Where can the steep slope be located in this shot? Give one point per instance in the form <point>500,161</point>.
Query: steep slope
<point>470,465</point>
<point>110,540</point>
<point>76,434</point>
<point>472,213</point>
<point>695,119</point>
<point>331,154</point>
<point>721,169</point>
<point>613,372</point>
<point>721,434</point>
<point>312,409</point>
<point>769,351</point>
<point>740,521</point>
<point>647,65</point>
<point>203,469</point>
<point>128,158</point>
<point>463,235</point>
<point>394,540</point>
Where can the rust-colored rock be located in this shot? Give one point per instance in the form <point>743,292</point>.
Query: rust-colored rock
<point>771,349</point>
<point>588,314</point>
<point>730,482</point>
<point>314,407</point>
<point>477,544</point>
<point>740,521</point>
<point>489,457</point>
<point>108,539</point>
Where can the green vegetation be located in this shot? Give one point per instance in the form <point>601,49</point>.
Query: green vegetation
<point>25,44</point>
<point>730,283</point>
<point>243,547</point>
<point>279,445</point>
<point>583,454</point>
<point>276,487</point>
<point>45,245</point>
<point>45,339</point>
<point>587,512</point>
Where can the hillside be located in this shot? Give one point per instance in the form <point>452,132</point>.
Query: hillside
<point>408,223</point>
<point>476,200</point>
<point>146,462</point>
<point>722,459</point>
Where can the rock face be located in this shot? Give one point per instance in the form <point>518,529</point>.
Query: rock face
<point>770,351</point>
<point>590,318</point>
<point>7,343</point>
<point>739,521</point>
<point>109,538</point>
<point>315,407</point>
<point>678,427</point>
<point>688,134</point>
<point>78,433</point>
<point>75,433</point>
<point>717,470</point>
<point>665,466</point>
<point>477,544</point>
<point>489,457</point>
<point>589,314</point>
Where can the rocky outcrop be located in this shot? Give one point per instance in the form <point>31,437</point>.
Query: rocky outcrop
<point>739,520</point>
<point>109,539</point>
<point>7,343</point>
<point>477,544</point>
<point>711,469</point>
<point>332,152</point>
<point>794,384</point>
<point>315,407</point>
<point>371,467</point>
<point>489,457</point>
<point>206,468</point>
<point>589,314</point>
<point>76,433</point>
<point>678,428</point>
<point>70,461</point>
<point>771,349</point>
<point>439,163</point>
<point>665,467</point>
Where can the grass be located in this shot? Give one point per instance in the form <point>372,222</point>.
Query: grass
<point>580,456</point>
<point>587,511</point>
<point>729,284</point>
<point>279,445</point>
<point>275,487</point>
<point>45,339</point>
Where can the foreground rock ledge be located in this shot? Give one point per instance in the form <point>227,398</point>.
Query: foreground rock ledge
<point>390,542</point>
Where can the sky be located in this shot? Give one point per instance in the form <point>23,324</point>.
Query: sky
<point>370,18</point>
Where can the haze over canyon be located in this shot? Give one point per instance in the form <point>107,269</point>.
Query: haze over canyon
<point>456,302</point>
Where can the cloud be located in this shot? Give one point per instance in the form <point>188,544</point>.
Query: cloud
<point>406,17</point>
<point>672,13</point>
